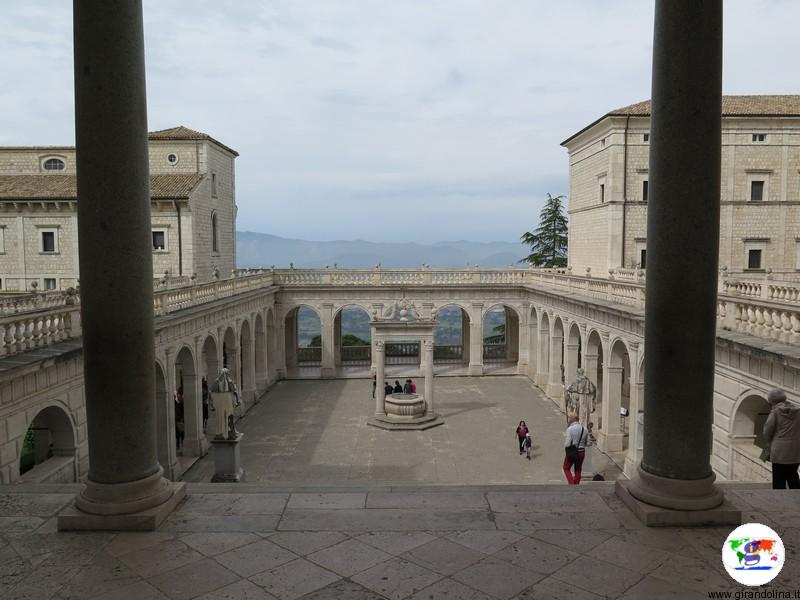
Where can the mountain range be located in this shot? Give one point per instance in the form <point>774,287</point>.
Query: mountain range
<point>263,250</point>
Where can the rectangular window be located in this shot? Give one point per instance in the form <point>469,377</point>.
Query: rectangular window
<point>645,185</point>
<point>214,185</point>
<point>159,240</point>
<point>602,192</point>
<point>2,240</point>
<point>646,137</point>
<point>759,137</point>
<point>48,241</point>
<point>643,258</point>
<point>756,190</point>
<point>49,283</point>
<point>754,258</point>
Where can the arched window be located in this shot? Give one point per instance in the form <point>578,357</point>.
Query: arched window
<point>54,164</point>
<point>214,233</point>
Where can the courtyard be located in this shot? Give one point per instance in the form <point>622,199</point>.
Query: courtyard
<point>316,432</point>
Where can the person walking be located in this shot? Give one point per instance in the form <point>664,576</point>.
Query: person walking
<point>522,431</point>
<point>782,435</point>
<point>576,439</point>
<point>528,443</point>
<point>374,384</point>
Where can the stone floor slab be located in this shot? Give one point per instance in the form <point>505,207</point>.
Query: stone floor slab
<point>254,558</point>
<point>33,505</point>
<point>241,590</point>
<point>124,543</point>
<point>577,540</point>
<point>380,519</point>
<point>233,504</point>
<point>444,556</point>
<point>629,555</point>
<point>395,543</point>
<point>344,590</point>
<point>545,502</point>
<point>249,523</point>
<point>349,557</point>
<point>306,542</point>
<point>532,522</point>
<point>294,579</point>
<point>553,589</point>
<point>213,543</point>
<point>444,500</point>
<point>166,556</point>
<point>598,577</point>
<point>193,580</point>
<point>497,578</point>
<point>396,578</point>
<point>328,500</point>
<point>103,575</point>
<point>137,591</point>
<point>447,589</point>
<point>650,587</point>
<point>536,556</point>
<point>486,541</point>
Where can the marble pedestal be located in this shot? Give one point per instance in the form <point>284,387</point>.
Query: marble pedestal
<point>227,460</point>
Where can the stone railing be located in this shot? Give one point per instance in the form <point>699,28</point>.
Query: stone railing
<point>31,330</point>
<point>763,318</point>
<point>243,280</point>
<point>768,290</point>
<point>37,301</point>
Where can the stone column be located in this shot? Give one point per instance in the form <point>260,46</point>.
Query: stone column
<point>683,215</point>
<point>533,347</point>
<point>610,435</point>
<point>476,340</point>
<point>465,338</point>
<point>632,456</point>
<point>542,365</point>
<point>427,349</point>
<point>522,340</point>
<point>380,376</point>
<point>114,232</point>
<point>328,370</point>
<point>554,386</point>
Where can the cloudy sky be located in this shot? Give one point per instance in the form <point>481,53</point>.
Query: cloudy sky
<point>423,120</point>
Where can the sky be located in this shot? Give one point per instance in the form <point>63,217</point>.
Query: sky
<point>384,120</point>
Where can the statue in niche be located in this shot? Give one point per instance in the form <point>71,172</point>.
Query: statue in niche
<point>581,398</point>
<point>225,383</point>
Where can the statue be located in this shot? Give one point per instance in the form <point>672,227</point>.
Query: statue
<point>581,398</point>
<point>232,433</point>
<point>224,383</point>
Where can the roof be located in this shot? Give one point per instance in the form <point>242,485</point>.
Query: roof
<point>179,133</point>
<point>184,133</point>
<point>732,106</point>
<point>64,187</point>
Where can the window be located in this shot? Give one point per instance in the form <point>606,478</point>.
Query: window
<point>754,258</point>
<point>54,164</point>
<point>756,190</point>
<point>602,192</point>
<point>49,283</point>
<point>759,137</point>
<point>643,258</point>
<point>645,185</point>
<point>172,159</point>
<point>214,185</point>
<point>603,143</point>
<point>214,233</point>
<point>2,239</point>
<point>49,242</point>
<point>159,240</point>
<point>646,138</point>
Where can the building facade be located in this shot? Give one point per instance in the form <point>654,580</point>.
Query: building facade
<point>760,191</point>
<point>193,208</point>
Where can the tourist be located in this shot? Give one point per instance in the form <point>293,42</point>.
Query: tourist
<point>528,443</point>
<point>398,389</point>
<point>413,386</point>
<point>576,439</point>
<point>387,389</point>
<point>205,404</point>
<point>407,387</point>
<point>179,425</point>
<point>374,384</point>
<point>782,435</point>
<point>522,431</point>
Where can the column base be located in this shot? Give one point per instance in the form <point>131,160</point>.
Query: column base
<point>132,506</point>
<point>475,370</point>
<point>554,390</point>
<point>610,442</point>
<point>328,372</point>
<point>656,516</point>
<point>676,494</point>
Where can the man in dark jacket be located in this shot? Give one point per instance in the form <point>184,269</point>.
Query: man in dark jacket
<point>782,433</point>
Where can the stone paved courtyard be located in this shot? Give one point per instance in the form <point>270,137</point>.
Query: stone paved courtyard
<point>256,542</point>
<point>316,431</point>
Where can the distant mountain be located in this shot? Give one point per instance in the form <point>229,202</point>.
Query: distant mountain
<point>262,250</point>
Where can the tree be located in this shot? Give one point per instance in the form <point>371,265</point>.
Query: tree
<point>549,242</point>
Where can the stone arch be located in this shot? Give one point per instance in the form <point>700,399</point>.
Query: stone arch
<point>533,342</point>
<point>272,346</point>
<point>187,381</point>
<point>260,354</point>
<point>210,359</point>
<point>247,362</point>
<point>303,331</point>
<point>557,367</point>
<point>230,354</point>
<point>48,451</point>
<point>594,360</point>
<point>451,337</point>
<point>543,371</point>
<point>165,423</point>
<point>572,352</point>
<point>500,340</point>
<point>352,338</point>
<point>750,412</point>
<point>618,395</point>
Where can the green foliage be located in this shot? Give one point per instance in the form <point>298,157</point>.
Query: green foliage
<point>26,459</point>
<point>316,342</point>
<point>549,242</point>
<point>348,339</point>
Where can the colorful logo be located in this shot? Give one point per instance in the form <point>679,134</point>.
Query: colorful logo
<point>753,554</point>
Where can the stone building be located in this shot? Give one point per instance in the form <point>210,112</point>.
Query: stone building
<point>760,191</point>
<point>193,206</point>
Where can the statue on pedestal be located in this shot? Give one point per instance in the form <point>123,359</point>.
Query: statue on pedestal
<point>581,398</point>
<point>225,383</point>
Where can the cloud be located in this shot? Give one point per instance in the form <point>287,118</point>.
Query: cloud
<point>422,119</point>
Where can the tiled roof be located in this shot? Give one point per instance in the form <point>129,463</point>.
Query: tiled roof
<point>732,106</point>
<point>184,133</point>
<point>63,187</point>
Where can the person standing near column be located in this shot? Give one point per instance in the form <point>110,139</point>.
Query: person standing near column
<point>782,433</point>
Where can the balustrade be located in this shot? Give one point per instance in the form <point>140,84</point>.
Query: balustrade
<point>765,319</point>
<point>309,355</point>
<point>28,331</point>
<point>356,353</point>
<point>494,351</point>
<point>445,352</point>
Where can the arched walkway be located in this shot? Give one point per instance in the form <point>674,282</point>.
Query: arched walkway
<point>247,364</point>
<point>500,338</point>
<point>230,355</point>
<point>165,426</point>
<point>543,372</point>
<point>593,367</point>
<point>188,414</point>
<point>48,451</point>
<point>572,353</point>
<point>272,347</point>
<point>533,343</point>
<point>616,395</point>
<point>303,343</point>
<point>556,377</point>
<point>451,337</point>
<point>747,439</point>
<point>260,355</point>
<point>352,339</point>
